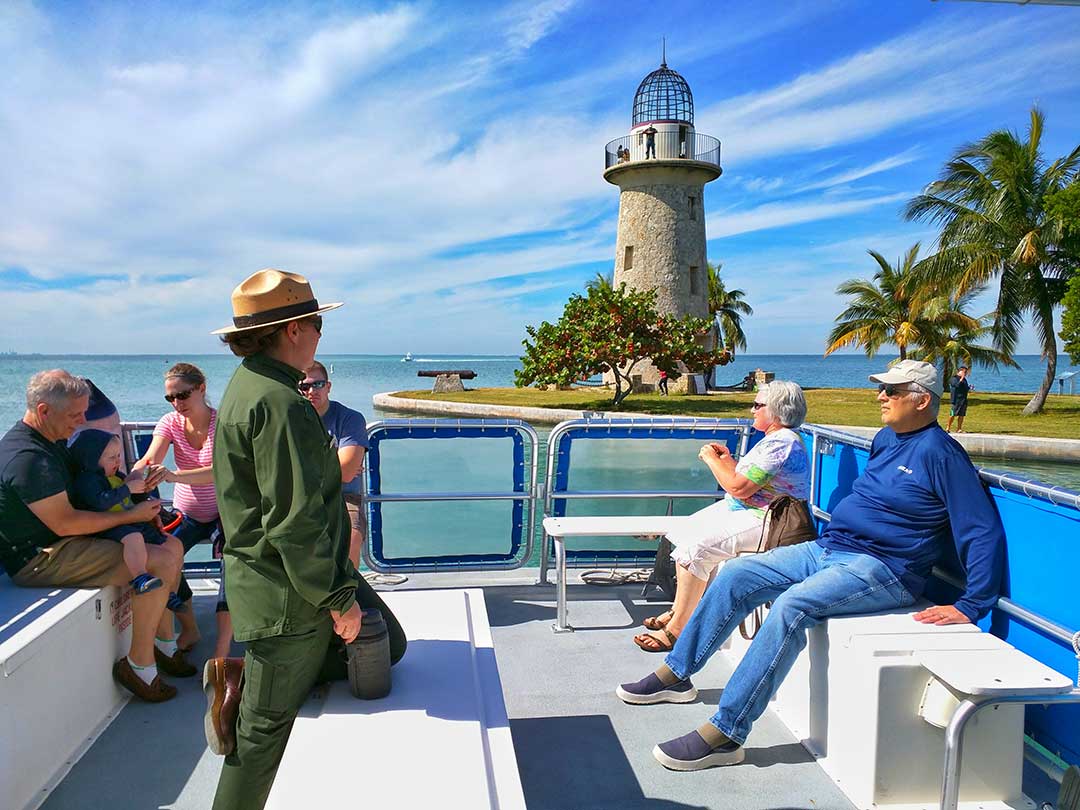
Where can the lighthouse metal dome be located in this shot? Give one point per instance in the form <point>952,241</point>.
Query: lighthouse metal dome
<point>663,95</point>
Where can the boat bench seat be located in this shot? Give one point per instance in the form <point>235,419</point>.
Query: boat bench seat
<point>57,648</point>
<point>855,699</point>
<point>440,738</point>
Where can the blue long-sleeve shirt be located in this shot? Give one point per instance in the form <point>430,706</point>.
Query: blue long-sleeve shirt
<point>919,492</point>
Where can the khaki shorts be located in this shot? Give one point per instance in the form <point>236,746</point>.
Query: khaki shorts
<point>357,512</point>
<point>73,562</point>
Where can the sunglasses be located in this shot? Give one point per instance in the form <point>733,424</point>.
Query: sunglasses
<point>318,385</point>
<point>758,405</point>
<point>892,391</point>
<point>316,321</point>
<point>179,395</point>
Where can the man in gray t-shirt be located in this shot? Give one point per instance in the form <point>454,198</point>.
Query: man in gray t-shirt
<point>348,434</point>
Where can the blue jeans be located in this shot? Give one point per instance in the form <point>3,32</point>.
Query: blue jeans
<point>190,533</point>
<point>806,583</point>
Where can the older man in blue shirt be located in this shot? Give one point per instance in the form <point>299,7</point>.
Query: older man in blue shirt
<point>918,494</point>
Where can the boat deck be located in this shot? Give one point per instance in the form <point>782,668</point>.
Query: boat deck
<point>578,747</point>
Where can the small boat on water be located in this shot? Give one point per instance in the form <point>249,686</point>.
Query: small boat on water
<point>407,358</point>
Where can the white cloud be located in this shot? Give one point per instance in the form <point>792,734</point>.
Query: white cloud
<point>537,20</point>
<point>776,215</point>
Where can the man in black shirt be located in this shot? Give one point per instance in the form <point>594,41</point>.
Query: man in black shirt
<point>958,395</point>
<point>44,541</point>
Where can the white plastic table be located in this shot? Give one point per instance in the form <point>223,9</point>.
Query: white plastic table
<point>559,528</point>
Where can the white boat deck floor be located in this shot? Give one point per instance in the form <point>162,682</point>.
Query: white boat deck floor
<point>578,747</point>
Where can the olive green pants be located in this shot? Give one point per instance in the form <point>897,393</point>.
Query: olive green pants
<point>279,672</point>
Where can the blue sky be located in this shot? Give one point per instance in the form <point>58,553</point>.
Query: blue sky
<point>439,166</point>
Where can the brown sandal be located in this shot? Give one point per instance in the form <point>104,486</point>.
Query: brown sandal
<point>650,643</point>
<point>658,622</point>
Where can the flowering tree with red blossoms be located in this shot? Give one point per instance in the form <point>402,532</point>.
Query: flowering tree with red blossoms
<point>612,330</point>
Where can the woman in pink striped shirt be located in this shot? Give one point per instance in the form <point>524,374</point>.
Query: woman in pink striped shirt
<point>189,430</point>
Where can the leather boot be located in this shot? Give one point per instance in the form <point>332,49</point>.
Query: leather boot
<point>222,685</point>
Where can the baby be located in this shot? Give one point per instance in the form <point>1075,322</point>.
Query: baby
<point>99,489</point>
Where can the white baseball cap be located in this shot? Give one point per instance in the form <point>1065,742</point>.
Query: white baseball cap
<point>911,371</point>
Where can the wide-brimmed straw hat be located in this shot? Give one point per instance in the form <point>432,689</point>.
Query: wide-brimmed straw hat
<point>270,297</point>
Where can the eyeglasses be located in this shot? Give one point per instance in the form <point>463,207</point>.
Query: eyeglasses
<point>316,321</point>
<point>318,385</point>
<point>179,395</point>
<point>758,405</point>
<point>892,391</point>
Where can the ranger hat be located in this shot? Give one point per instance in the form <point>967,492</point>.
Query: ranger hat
<point>911,371</point>
<point>270,297</point>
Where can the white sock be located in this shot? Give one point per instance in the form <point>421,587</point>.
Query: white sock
<point>147,674</point>
<point>167,647</point>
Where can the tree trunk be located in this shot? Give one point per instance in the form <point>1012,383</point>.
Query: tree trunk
<point>1039,400</point>
<point>619,395</point>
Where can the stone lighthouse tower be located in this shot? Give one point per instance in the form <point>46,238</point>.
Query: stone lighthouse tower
<point>661,169</point>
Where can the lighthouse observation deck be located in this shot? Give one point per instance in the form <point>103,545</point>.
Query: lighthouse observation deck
<point>667,145</point>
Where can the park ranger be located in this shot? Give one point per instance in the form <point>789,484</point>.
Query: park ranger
<point>294,595</point>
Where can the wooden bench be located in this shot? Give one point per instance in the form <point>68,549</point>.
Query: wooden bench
<point>440,738</point>
<point>57,648</point>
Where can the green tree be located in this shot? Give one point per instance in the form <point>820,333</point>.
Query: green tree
<point>726,308</point>
<point>1070,320</point>
<point>898,306</point>
<point>990,202</point>
<point>604,281</point>
<point>1065,205</point>
<point>612,330</point>
<point>954,346</point>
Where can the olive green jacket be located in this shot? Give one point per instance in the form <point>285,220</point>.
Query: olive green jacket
<point>279,494</point>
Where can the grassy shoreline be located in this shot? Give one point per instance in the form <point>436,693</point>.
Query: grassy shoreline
<point>995,413</point>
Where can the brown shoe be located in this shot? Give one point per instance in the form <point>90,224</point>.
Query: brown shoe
<point>223,685</point>
<point>176,664</point>
<point>157,691</point>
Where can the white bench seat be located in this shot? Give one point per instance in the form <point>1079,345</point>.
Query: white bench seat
<point>853,700</point>
<point>440,738</point>
<point>57,648</point>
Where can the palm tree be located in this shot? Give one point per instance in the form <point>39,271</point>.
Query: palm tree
<point>952,348</point>
<point>897,307</point>
<point>602,282</point>
<point>726,308</point>
<point>990,204</point>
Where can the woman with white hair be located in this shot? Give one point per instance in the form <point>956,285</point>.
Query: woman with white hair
<point>777,465</point>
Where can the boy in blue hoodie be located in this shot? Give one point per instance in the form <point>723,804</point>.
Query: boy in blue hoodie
<point>99,488</point>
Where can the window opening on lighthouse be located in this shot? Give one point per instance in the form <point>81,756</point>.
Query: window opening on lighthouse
<point>695,282</point>
<point>692,205</point>
<point>628,258</point>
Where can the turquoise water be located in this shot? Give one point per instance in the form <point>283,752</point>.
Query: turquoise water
<point>134,383</point>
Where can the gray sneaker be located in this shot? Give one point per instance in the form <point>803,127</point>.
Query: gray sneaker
<point>690,752</point>
<point>651,689</point>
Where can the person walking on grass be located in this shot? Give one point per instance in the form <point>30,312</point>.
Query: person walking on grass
<point>958,399</point>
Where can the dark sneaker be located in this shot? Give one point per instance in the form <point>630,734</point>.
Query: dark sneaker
<point>690,752</point>
<point>157,691</point>
<point>651,689</point>
<point>176,664</point>
<point>175,604</point>
<point>223,687</point>
<point>144,583</point>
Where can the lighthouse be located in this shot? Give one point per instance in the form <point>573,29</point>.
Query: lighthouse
<point>661,169</point>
